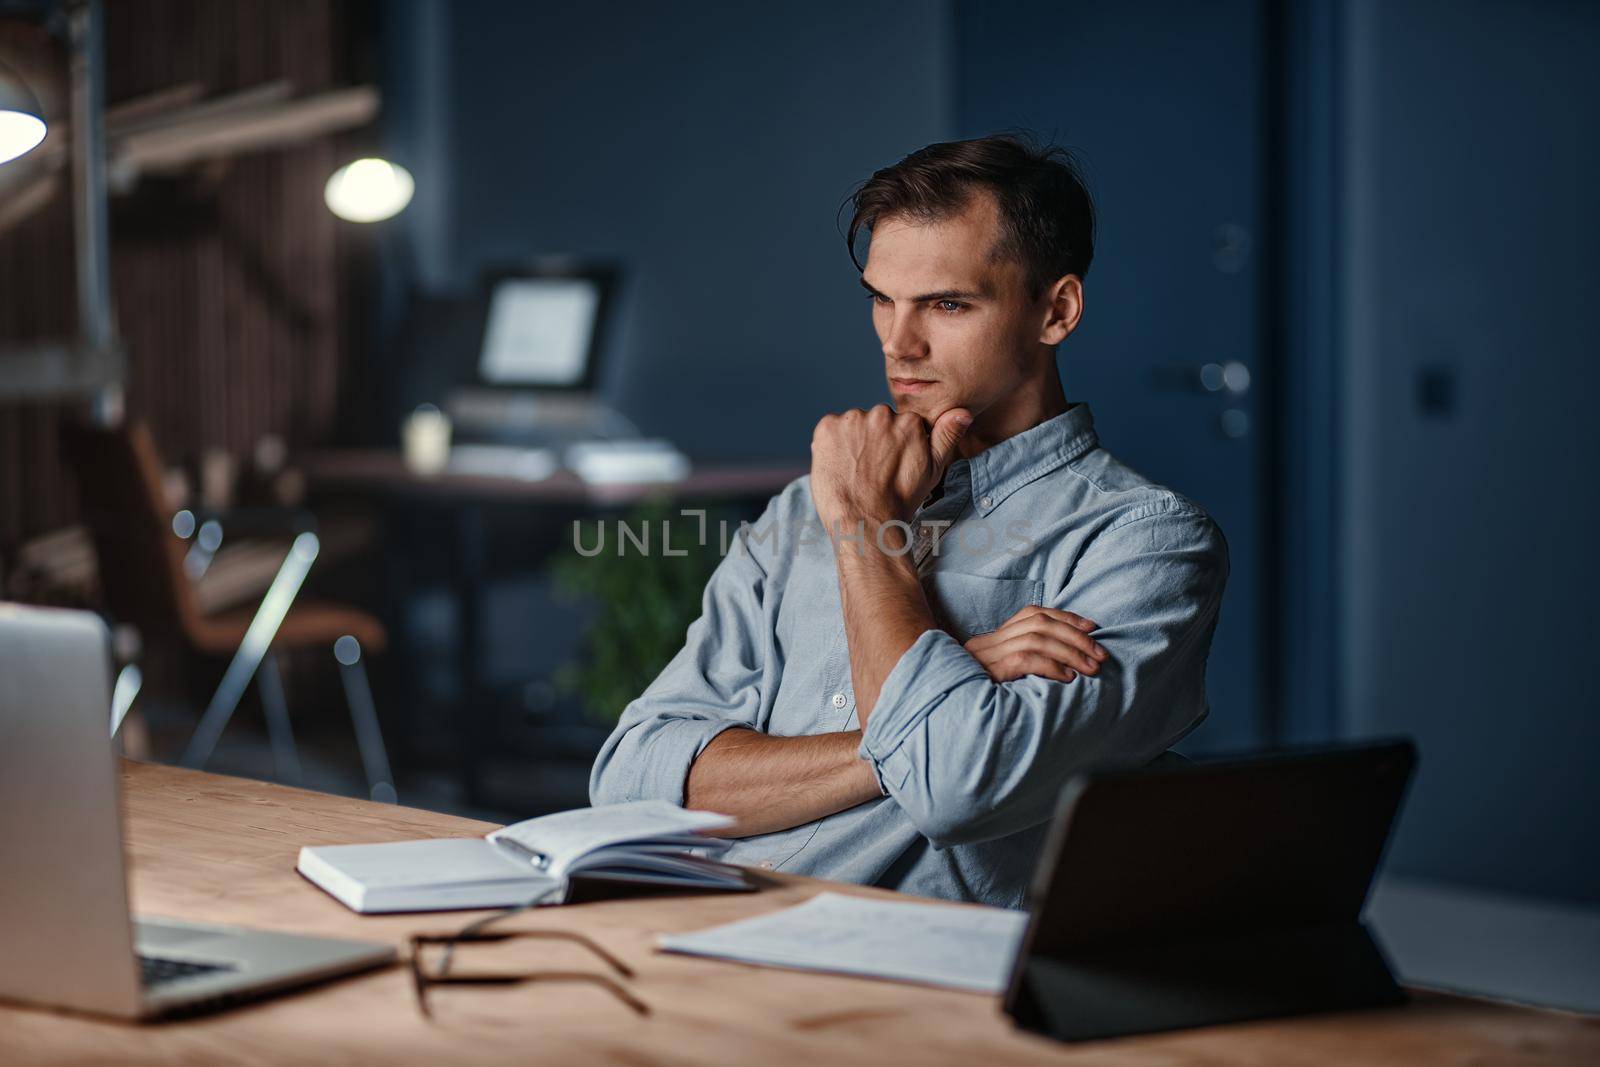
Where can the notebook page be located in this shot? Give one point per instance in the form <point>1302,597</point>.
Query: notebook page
<point>564,838</point>
<point>932,944</point>
<point>678,867</point>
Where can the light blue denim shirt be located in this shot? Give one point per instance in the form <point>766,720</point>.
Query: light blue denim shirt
<point>970,768</point>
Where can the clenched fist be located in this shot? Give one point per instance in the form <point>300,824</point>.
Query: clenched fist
<point>877,466</point>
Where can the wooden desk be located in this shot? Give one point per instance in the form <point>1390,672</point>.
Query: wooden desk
<point>212,848</point>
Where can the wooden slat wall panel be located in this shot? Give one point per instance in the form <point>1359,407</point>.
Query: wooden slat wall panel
<point>37,301</point>
<point>229,294</point>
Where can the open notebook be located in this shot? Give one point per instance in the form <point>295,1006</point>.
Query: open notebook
<point>648,844</point>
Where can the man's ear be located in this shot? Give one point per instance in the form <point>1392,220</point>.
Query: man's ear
<point>1063,309</point>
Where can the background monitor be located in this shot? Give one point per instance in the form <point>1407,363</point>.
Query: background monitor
<point>542,328</point>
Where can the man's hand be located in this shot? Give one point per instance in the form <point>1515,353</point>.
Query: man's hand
<point>1039,640</point>
<point>877,466</point>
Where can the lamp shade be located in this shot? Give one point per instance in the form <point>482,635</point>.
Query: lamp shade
<point>22,124</point>
<point>369,190</point>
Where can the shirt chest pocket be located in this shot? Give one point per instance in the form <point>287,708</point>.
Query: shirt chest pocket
<point>967,605</point>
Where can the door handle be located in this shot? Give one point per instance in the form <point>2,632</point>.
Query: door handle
<point>1231,378</point>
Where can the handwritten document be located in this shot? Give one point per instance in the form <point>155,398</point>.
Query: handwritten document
<point>931,944</point>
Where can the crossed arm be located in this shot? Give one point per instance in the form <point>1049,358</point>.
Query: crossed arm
<point>972,741</point>
<point>773,783</point>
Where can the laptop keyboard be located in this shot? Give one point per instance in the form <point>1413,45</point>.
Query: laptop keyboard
<point>154,971</point>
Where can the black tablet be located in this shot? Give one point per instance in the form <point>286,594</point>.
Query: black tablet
<point>1210,892</point>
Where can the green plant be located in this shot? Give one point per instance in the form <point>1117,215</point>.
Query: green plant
<point>643,602</point>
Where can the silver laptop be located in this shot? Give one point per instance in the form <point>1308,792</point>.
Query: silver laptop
<point>66,939</point>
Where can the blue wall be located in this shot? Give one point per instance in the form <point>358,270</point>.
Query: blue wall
<point>1456,174</point>
<point>1162,103</point>
<point>707,147</point>
<point>1471,572</point>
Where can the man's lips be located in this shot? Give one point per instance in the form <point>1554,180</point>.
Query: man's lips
<point>912,385</point>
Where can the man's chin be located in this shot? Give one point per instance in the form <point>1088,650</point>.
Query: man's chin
<point>924,404</point>
<point>929,406</point>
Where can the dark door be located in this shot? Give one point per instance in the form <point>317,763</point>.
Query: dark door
<point>1163,101</point>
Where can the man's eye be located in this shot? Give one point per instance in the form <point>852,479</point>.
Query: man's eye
<point>950,305</point>
<point>879,298</point>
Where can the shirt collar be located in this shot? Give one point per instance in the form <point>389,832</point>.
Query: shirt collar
<point>1002,469</point>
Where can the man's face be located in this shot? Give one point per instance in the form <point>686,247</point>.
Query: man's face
<point>957,325</point>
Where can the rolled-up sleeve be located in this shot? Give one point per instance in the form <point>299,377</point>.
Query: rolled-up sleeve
<point>711,685</point>
<point>969,759</point>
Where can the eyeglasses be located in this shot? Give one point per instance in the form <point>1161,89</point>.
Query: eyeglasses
<point>476,933</point>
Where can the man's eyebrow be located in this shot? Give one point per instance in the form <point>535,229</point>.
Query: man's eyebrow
<point>928,298</point>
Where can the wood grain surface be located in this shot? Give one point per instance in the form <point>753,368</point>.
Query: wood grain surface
<point>211,848</point>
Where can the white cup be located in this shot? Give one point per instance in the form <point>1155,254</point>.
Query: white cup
<point>425,440</point>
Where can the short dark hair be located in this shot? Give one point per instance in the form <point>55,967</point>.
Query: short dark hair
<point>1046,213</point>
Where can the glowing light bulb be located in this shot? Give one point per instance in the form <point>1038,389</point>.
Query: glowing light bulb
<point>369,190</point>
<point>20,133</point>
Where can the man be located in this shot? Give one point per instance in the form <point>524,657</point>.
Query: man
<point>998,602</point>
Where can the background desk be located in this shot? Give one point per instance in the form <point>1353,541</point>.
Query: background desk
<point>206,847</point>
<point>452,523</point>
<point>384,470</point>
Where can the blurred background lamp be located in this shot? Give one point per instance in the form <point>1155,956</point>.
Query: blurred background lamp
<point>369,190</point>
<point>21,119</point>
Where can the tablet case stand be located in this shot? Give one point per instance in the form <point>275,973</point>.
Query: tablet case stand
<point>1216,892</point>
<point>1117,990</point>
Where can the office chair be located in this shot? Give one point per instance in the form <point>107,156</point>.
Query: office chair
<point>149,563</point>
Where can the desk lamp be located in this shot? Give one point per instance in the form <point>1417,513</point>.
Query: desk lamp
<point>22,124</point>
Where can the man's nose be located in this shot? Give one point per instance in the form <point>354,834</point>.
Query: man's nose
<point>904,341</point>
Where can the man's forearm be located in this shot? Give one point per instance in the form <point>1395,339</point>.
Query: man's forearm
<point>885,611</point>
<point>774,783</point>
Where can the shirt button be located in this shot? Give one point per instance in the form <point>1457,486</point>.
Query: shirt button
<point>986,501</point>
<point>840,700</point>
<point>765,865</point>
